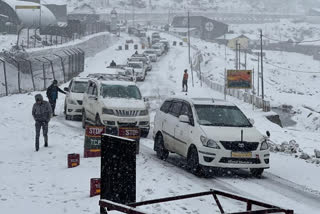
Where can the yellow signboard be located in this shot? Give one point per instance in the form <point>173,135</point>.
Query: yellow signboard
<point>240,79</point>
<point>27,7</point>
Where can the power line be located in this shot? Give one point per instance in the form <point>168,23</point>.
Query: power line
<point>277,40</point>
<point>288,69</point>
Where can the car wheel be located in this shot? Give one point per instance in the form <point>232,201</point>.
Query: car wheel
<point>162,152</point>
<point>144,133</point>
<point>193,162</point>
<point>84,119</point>
<point>257,172</point>
<point>98,121</point>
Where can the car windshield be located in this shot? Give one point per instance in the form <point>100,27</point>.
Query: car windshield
<point>231,116</point>
<point>135,65</point>
<point>121,91</point>
<point>79,87</point>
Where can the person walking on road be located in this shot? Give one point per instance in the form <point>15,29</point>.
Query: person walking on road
<point>52,94</point>
<point>185,81</point>
<point>42,114</point>
<point>113,64</point>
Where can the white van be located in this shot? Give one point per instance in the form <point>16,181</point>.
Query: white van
<point>209,133</point>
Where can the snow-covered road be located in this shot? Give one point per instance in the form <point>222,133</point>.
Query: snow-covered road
<point>40,182</point>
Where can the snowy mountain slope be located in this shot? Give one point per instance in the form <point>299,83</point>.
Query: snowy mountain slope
<point>41,183</point>
<point>262,6</point>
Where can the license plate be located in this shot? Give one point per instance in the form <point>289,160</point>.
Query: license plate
<point>126,120</point>
<point>241,154</point>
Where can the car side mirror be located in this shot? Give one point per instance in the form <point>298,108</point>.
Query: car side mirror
<point>184,119</point>
<point>251,121</point>
<point>268,133</point>
<point>146,99</point>
<point>66,89</point>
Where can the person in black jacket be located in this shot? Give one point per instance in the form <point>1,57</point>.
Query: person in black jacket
<point>113,64</point>
<point>41,112</point>
<point>52,94</point>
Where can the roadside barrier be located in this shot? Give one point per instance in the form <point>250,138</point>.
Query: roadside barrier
<point>22,74</point>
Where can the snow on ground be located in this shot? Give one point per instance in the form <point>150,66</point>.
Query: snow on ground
<point>40,182</point>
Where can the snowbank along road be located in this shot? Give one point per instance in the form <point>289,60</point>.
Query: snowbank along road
<point>40,182</point>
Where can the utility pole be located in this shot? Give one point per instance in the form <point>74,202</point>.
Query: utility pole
<point>245,59</point>
<point>239,56</point>
<point>262,84</point>
<point>133,21</point>
<point>189,46</point>
<point>189,37</point>
<point>258,75</point>
<point>236,61</point>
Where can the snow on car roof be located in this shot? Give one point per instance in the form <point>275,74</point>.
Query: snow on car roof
<point>112,82</point>
<point>202,100</point>
<point>81,79</point>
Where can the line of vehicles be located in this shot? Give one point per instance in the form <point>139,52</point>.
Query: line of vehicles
<point>113,98</point>
<point>208,133</point>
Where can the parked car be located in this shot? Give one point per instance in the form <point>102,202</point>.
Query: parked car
<point>209,133</point>
<point>74,96</point>
<point>155,37</point>
<point>138,70</point>
<point>115,104</point>
<point>141,58</point>
<point>159,47</point>
<point>152,54</point>
<point>166,44</point>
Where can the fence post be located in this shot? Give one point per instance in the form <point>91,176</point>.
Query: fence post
<point>82,59</point>
<point>51,64</point>
<point>69,62</point>
<point>19,74</point>
<point>44,73</point>
<point>31,72</point>
<point>62,65</point>
<point>77,62</point>
<point>5,76</point>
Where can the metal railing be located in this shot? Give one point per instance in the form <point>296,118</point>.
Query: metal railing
<point>132,208</point>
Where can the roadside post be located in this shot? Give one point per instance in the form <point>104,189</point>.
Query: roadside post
<point>118,170</point>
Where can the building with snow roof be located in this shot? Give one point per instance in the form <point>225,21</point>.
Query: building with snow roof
<point>206,29</point>
<point>14,13</point>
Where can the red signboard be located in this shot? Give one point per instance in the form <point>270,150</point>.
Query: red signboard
<point>130,132</point>
<point>73,160</point>
<point>95,188</point>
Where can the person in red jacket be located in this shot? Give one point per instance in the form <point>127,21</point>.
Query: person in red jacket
<point>185,80</point>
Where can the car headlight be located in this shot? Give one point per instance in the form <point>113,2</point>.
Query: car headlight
<point>264,145</point>
<point>107,111</point>
<point>209,142</point>
<point>144,112</point>
<point>72,102</point>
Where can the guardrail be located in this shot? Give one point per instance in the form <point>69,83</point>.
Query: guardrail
<point>23,75</point>
<point>132,208</point>
<point>244,96</point>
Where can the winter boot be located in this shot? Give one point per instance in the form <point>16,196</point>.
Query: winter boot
<point>45,141</point>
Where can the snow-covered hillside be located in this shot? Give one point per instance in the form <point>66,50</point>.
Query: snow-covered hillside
<point>263,6</point>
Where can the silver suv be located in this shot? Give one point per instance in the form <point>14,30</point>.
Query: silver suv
<point>115,104</point>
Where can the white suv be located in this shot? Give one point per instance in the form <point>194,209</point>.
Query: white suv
<point>74,96</point>
<point>209,133</point>
<point>138,69</point>
<point>115,104</point>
